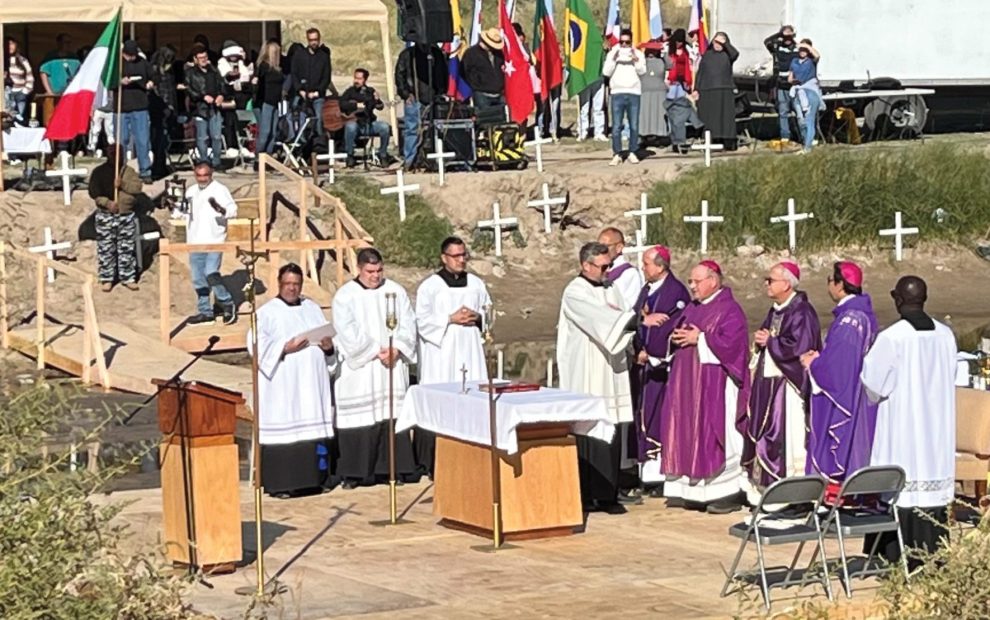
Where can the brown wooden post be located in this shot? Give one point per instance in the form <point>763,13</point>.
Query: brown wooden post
<point>263,195</point>
<point>41,276</point>
<point>4,325</point>
<point>273,265</point>
<point>303,216</point>
<point>87,332</point>
<point>164,300</point>
<point>338,233</point>
<point>95,337</point>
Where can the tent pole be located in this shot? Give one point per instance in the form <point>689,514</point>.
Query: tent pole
<point>389,77</point>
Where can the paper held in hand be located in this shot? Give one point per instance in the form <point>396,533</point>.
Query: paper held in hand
<point>315,335</point>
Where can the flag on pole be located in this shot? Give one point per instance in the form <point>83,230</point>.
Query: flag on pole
<point>476,23</point>
<point>613,27</point>
<point>457,88</point>
<point>90,88</point>
<point>518,85</point>
<point>546,50</point>
<point>656,20</point>
<point>585,47</point>
<point>640,23</point>
<point>699,24</point>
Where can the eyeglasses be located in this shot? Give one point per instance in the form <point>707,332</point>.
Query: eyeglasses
<point>464,255</point>
<point>601,267</point>
<point>625,42</point>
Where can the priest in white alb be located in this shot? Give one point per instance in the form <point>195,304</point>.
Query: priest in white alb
<point>294,392</point>
<point>593,332</point>
<point>450,306</point>
<point>361,386</point>
<point>910,371</point>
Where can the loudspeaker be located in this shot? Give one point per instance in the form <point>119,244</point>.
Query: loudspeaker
<point>425,21</point>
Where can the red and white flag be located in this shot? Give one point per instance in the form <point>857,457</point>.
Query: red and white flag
<point>518,85</point>
<point>90,88</point>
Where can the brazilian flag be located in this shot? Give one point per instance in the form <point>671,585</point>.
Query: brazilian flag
<point>585,47</point>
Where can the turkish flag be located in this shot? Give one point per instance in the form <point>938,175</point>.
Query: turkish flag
<point>518,84</point>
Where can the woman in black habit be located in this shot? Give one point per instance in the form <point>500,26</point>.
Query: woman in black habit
<point>716,91</point>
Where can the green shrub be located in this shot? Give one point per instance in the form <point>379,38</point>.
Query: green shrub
<point>853,195</point>
<point>413,243</point>
<point>61,554</point>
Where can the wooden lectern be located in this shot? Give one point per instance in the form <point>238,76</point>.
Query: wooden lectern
<point>200,474</point>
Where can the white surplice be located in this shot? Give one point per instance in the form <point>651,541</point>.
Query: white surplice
<point>361,384</point>
<point>446,348</point>
<point>591,345</point>
<point>731,479</point>
<point>294,389</point>
<point>911,373</point>
<point>628,284</point>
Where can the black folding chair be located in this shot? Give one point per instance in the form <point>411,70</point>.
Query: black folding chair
<point>769,528</point>
<point>843,523</point>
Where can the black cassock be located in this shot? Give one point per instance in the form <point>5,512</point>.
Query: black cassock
<point>361,455</point>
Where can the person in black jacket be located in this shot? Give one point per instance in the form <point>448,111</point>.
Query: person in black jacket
<point>268,93</point>
<point>361,101</point>
<point>482,65</point>
<point>135,82</point>
<point>205,88</point>
<point>311,71</point>
<point>782,45</point>
<point>413,84</point>
<point>162,104</point>
<point>716,91</point>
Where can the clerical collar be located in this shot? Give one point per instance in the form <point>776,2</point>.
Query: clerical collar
<point>844,299</point>
<point>711,297</point>
<point>779,307</point>
<point>655,286</point>
<point>361,284</point>
<point>619,260</point>
<point>453,280</point>
<point>297,302</point>
<point>590,281</point>
<point>919,320</point>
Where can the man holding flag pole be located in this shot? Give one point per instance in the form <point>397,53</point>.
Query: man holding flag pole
<point>549,67</point>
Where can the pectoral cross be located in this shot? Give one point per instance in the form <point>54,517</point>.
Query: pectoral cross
<point>464,371</point>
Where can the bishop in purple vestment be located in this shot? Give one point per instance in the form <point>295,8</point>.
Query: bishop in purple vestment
<point>658,307</point>
<point>699,409</point>
<point>774,428</point>
<point>842,418</point>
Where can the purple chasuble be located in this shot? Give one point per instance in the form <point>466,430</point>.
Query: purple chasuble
<point>842,418</point>
<point>649,381</point>
<point>794,330</point>
<point>693,411</point>
<point>614,274</point>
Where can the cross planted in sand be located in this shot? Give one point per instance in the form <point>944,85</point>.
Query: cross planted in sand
<point>707,147</point>
<point>48,248</point>
<point>792,218</point>
<point>401,189</point>
<point>497,223</point>
<point>639,249</point>
<point>331,157</point>
<point>441,157</point>
<point>898,232</point>
<point>642,212</point>
<point>66,172</point>
<point>546,203</point>
<point>538,141</point>
<point>704,219</point>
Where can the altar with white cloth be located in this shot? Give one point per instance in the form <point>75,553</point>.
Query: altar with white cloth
<point>540,489</point>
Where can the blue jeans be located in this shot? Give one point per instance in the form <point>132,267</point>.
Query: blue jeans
<point>16,104</point>
<point>318,110</point>
<point>205,270</point>
<point>412,113</point>
<point>377,128</point>
<point>210,129</point>
<point>627,105</point>
<point>137,125</point>
<point>267,116</point>
<point>808,121</point>
<point>784,106</point>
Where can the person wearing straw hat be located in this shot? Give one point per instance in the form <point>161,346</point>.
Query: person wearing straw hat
<point>482,64</point>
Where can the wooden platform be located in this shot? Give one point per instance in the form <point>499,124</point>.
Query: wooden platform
<point>133,359</point>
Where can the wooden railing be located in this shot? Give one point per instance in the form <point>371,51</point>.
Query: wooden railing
<point>91,341</point>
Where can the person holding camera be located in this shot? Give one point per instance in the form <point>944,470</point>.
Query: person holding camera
<point>782,45</point>
<point>623,66</point>
<point>806,93</point>
<point>210,208</point>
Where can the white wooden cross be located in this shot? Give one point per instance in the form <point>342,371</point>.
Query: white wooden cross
<point>48,249</point>
<point>639,249</point>
<point>441,157</point>
<point>499,364</point>
<point>707,147</point>
<point>642,212</point>
<point>538,141</point>
<point>400,188</point>
<point>550,372</point>
<point>138,246</point>
<point>898,232</point>
<point>704,219</point>
<point>546,203</point>
<point>497,223</point>
<point>66,172</point>
<point>792,218</point>
<point>331,156</point>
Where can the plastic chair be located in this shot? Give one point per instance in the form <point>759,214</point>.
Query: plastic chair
<point>766,528</point>
<point>843,523</point>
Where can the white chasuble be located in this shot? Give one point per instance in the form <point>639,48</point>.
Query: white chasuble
<point>591,345</point>
<point>446,348</point>
<point>361,385</point>
<point>293,389</point>
<point>911,373</point>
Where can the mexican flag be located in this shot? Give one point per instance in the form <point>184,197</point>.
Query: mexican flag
<point>90,88</point>
<point>547,51</point>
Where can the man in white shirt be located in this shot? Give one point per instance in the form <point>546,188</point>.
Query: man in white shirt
<point>210,207</point>
<point>623,66</point>
<point>621,275</point>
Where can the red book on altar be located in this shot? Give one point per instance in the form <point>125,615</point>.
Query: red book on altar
<point>507,387</point>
